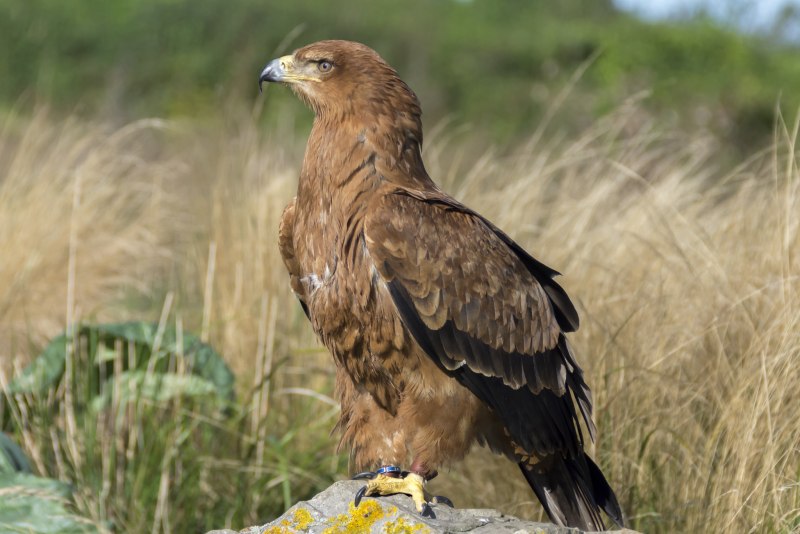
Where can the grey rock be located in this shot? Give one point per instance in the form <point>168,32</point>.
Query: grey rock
<point>332,512</point>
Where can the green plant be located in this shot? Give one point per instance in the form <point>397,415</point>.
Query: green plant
<point>142,422</point>
<point>33,504</point>
<point>148,353</point>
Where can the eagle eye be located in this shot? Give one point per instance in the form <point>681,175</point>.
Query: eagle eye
<point>324,65</point>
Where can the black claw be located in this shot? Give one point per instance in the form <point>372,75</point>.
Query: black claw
<point>427,511</point>
<point>444,500</point>
<point>366,475</point>
<point>359,494</point>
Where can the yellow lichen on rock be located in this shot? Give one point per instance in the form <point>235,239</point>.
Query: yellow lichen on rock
<point>359,520</point>
<point>401,526</point>
<point>278,529</point>
<point>301,519</point>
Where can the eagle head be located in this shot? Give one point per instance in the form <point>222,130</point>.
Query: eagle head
<point>344,80</point>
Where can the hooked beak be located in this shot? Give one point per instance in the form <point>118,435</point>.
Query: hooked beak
<point>275,71</point>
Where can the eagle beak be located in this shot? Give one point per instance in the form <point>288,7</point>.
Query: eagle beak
<point>275,71</point>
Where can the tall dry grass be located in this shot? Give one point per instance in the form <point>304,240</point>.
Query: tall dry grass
<point>83,213</point>
<point>685,274</point>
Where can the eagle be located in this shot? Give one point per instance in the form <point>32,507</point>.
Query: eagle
<point>443,330</point>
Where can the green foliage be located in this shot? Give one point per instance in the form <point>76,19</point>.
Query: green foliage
<point>145,349</point>
<point>128,415</point>
<point>29,503</point>
<point>494,63</point>
<point>738,79</point>
<point>132,387</point>
<point>12,459</point>
<point>36,505</point>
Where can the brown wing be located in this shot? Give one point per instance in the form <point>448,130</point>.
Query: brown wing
<point>286,246</point>
<point>485,311</point>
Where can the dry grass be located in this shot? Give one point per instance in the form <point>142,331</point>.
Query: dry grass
<point>686,278</point>
<point>83,211</point>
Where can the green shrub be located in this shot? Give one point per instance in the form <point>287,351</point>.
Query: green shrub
<point>143,424</point>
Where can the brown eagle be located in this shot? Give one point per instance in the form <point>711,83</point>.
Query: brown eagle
<point>444,331</point>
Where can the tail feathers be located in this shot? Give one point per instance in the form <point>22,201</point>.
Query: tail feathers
<point>603,494</point>
<point>573,491</point>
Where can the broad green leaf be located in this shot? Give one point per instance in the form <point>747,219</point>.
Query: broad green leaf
<point>150,352</point>
<point>31,504</point>
<point>132,386</point>
<point>200,357</point>
<point>12,459</point>
<point>45,371</point>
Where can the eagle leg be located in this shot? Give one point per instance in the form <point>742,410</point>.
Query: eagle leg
<point>389,480</point>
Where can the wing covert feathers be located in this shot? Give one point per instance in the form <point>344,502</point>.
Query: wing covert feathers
<point>455,268</point>
<point>481,313</point>
<point>286,246</point>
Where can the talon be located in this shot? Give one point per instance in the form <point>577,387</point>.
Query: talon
<point>359,494</point>
<point>387,482</point>
<point>440,499</point>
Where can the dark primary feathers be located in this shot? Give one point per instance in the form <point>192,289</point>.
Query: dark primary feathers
<point>445,332</point>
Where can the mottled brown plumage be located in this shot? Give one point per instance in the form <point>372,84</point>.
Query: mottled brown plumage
<point>444,331</point>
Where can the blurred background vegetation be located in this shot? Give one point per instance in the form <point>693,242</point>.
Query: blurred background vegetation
<point>493,64</point>
<point>142,177</point>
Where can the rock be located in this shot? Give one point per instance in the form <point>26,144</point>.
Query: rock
<point>332,512</point>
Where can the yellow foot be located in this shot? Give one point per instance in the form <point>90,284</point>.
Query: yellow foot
<point>411,484</point>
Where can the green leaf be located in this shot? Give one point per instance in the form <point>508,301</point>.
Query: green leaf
<point>150,352</point>
<point>133,386</point>
<point>203,360</point>
<point>45,371</point>
<point>32,504</point>
<point>12,459</point>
